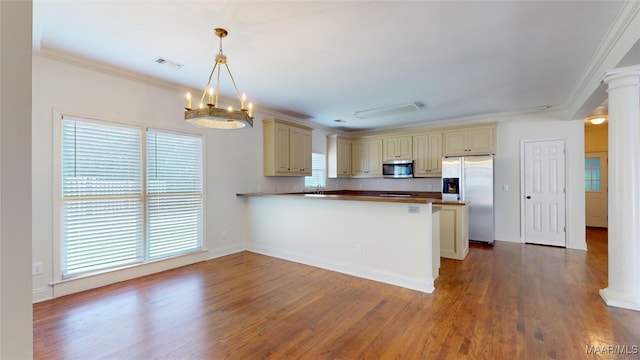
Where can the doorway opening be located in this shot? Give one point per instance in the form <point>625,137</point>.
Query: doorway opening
<point>595,174</point>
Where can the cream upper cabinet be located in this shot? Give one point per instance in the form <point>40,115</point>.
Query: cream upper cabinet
<point>470,141</point>
<point>300,150</point>
<point>366,158</point>
<point>427,155</point>
<point>338,156</point>
<point>287,148</point>
<point>454,231</point>
<point>397,147</point>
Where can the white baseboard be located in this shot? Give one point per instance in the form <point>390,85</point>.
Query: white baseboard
<point>346,268</point>
<point>621,300</point>
<point>225,250</point>
<point>42,294</point>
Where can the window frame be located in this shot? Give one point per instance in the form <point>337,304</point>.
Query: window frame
<point>312,176</point>
<point>589,179</point>
<point>57,199</point>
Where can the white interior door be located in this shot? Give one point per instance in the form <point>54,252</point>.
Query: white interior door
<point>595,189</point>
<point>544,192</point>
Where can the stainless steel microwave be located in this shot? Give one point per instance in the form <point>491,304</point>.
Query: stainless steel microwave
<point>397,169</point>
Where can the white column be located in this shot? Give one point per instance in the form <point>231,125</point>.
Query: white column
<point>16,325</point>
<point>624,188</point>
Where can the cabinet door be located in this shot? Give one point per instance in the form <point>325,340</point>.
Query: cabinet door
<point>481,141</point>
<point>282,148</point>
<point>300,151</point>
<point>374,157</point>
<point>344,157</point>
<point>434,159</point>
<point>455,142</point>
<point>454,231</point>
<point>366,158</point>
<point>421,155</point>
<point>472,141</point>
<point>306,152</point>
<point>389,148</point>
<point>404,150</point>
<point>358,158</point>
<point>427,153</point>
<point>448,232</point>
<point>394,148</point>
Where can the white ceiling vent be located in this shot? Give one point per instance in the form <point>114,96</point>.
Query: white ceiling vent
<point>389,110</point>
<point>171,64</point>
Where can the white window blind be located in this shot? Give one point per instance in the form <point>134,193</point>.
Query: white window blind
<point>102,223</point>
<point>318,176</point>
<point>174,194</point>
<point>111,217</point>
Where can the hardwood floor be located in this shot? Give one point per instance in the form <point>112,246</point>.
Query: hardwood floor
<point>509,301</point>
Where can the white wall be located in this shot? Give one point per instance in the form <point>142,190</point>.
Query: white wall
<point>396,244</point>
<point>233,160</point>
<point>511,132</point>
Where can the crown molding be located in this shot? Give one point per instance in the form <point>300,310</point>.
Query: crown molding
<point>67,58</point>
<point>602,60</point>
<point>556,112</point>
<point>106,69</point>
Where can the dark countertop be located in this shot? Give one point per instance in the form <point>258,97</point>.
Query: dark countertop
<point>415,197</point>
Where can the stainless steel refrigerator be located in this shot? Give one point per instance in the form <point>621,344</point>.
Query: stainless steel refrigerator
<point>470,178</point>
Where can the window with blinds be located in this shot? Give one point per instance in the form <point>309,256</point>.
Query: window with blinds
<point>108,211</point>
<point>318,176</point>
<point>174,194</point>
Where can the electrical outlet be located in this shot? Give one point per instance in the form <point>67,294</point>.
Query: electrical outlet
<point>223,234</point>
<point>358,249</point>
<point>36,268</point>
<point>414,210</point>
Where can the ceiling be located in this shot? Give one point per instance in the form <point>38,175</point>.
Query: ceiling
<point>324,60</point>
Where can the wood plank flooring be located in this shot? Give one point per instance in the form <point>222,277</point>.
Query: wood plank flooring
<point>509,301</point>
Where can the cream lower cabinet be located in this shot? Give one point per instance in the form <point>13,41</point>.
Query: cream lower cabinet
<point>427,155</point>
<point>454,231</point>
<point>286,148</point>
<point>366,158</point>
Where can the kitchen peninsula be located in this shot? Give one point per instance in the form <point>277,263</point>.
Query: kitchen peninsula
<point>382,236</point>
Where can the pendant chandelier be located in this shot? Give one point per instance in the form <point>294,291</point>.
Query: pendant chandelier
<point>210,115</point>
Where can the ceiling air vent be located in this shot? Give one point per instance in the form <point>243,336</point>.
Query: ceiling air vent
<point>172,64</point>
<point>389,110</point>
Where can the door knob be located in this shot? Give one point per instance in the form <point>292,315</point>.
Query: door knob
<point>528,196</point>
